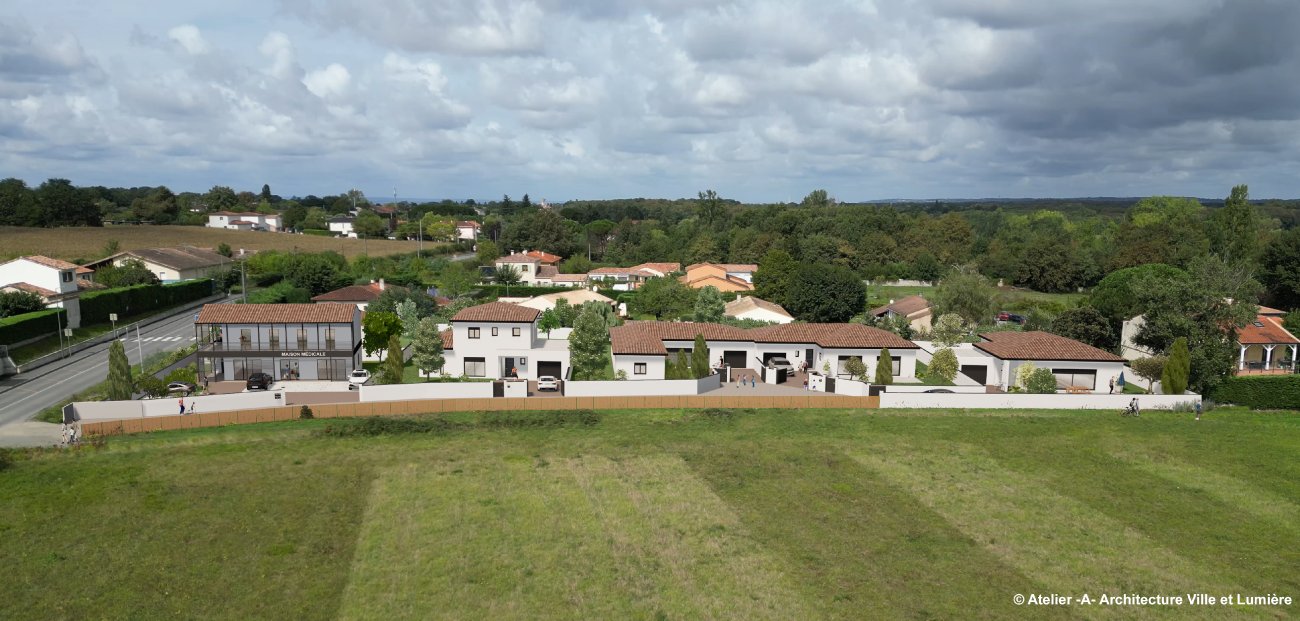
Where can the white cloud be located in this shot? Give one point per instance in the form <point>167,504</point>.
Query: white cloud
<point>331,81</point>
<point>190,39</point>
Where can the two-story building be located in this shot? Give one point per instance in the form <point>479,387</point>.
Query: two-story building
<point>52,279</point>
<point>288,341</point>
<point>467,230</point>
<point>342,227</point>
<point>244,221</point>
<point>499,340</point>
<point>725,277</point>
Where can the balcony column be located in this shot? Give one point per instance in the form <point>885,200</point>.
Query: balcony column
<point>1268,357</point>
<point>1241,360</point>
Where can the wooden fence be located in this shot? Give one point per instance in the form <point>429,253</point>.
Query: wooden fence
<point>391,408</point>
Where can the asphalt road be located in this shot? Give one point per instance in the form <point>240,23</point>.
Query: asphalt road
<point>24,395</point>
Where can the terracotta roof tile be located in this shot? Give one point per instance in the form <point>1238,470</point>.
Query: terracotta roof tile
<point>30,288</point>
<point>277,313</point>
<point>547,271</point>
<point>446,338</point>
<point>354,293</point>
<point>498,312</point>
<point>747,303</point>
<point>569,278</point>
<point>1037,345</point>
<point>1268,332</point>
<point>518,258</point>
<point>647,337</point>
<point>544,257</point>
<point>48,262</point>
<point>904,307</point>
<point>662,268</point>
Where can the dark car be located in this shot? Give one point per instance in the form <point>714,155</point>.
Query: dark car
<point>940,390</point>
<point>259,381</point>
<point>1004,316</point>
<point>1017,319</point>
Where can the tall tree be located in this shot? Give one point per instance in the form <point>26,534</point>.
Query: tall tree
<point>1116,297</point>
<point>711,208</point>
<point>709,305</point>
<point>379,328</point>
<point>61,204</point>
<point>1235,229</point>
<point>120,386</point>
<point>1086,325</point>
<point>369,224</point>
<point>426,347</point>
<point>665,298</point>
<point>818,198</point>
<point>885,368</point>
<point>18,204</point>
<point>1280,270</point>
<point>1173,378</point>
<point>823,293</point>
<point>589,347</point>
<point>967,293</point>
<point>393,363</point>
<point>772,281</point>
<point>700,358</point>
<point>456,279</point>
<point>1161,229</point>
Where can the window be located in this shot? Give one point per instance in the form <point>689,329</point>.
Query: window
<point>329,338</point>
<point>514,332</point>
<point>897,363</point>
<point>476,367</point>
<point>275,338</point>
<point>494,331</point>
<point>1085,378</point>
<point>302,338</point>
<point>638,368</point>
<point>245,339</point>
<point>67,276</point>
<point>523,268</point>
<point>473,333</point>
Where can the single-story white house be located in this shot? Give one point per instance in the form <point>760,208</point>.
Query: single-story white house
<point>342,227</point>
<point>1073,363</point>
<point>244,220</point>
<point>169,264</point>
<point>750,307</point>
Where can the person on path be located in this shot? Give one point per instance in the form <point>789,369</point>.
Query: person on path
<point>1112,385</point>
<point>1133,405</point>
<point>181,402</point>
<point>1198,410</point>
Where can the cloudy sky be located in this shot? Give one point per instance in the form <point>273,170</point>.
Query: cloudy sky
<point>762,100</point>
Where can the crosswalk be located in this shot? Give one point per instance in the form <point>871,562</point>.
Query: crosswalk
<point>156,339</point>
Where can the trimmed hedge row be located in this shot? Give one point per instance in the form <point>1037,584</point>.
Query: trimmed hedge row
<point>30,325</point>
<point>519,291</point>
<point>127,301</point>
<point>1261,392</point>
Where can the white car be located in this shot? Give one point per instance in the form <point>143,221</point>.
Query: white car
<point>358,377</point>
<point>780,363</point>
<point>547,382</point>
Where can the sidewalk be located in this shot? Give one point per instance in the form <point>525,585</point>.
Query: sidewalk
<point>29,434</point>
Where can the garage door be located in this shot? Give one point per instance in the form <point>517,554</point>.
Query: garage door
<point>977,372</point>
<point>548,368</point>
<point>735,359</point>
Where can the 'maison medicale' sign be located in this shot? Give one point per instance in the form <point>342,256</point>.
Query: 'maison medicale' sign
<point>301,354</point>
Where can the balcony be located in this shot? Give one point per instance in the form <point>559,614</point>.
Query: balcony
<point>272,346</point>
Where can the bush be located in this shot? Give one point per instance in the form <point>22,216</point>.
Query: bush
<point>1173,381</point>
<point>551,418</point>
<point>380,425</point>
<point>1041,382</point>
<point>127,301</point>
<point>1264,392</point>
<point>6,458</point>
<point>305,413</point>
<point>182,374</point>
<point>29,325</point>
<point>151,386</point>
<point>943,365</point>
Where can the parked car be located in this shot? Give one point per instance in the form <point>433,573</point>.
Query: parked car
<point>1004,316</point>
<point>939,390</point>
<point>780,363</point>
<point>259,381</point>
<point>358,377</point>
<point>546,382</point>
<point>181,387</point>
<point>1017,319</point>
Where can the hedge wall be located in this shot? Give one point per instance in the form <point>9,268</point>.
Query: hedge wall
<point>29,325</point>
<point>1261,392</point>
<point>126,301</point>
<point>519,291</point>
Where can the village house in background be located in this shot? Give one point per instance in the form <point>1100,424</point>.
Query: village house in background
<point>168,264</point>
<point>467,230</point>
<point>244,221</point>
<point>342,227</point>
<point>750,307</point>
<point>359,295</point>
<point>914,308</point>
<point>54,280</point>
<point>575,298</point>
<point>725,277</point>
<point>1265,346</point>
<point>288,341</point>
<point>630,278</point>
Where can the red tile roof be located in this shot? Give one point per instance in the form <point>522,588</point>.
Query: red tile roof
<point>277,313</point>
<point>446,338</point>
<point>518,258</point>
<point>904,307</point>
<point>1037,345</point>
<point>48,262</point>
<point>1269,331</point>
<point>663,268</point>
<point>647,337</point>
<point>30,288</point>
<point>544,257</point>
<point>354,293</point>
<point>547,271</point>
<point>569,278</point>
<point>1264,310</point>
<point>498,312</point>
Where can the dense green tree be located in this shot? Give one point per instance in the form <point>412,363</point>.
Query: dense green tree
<point>120,386</point>
<point>378,329</point>
<point>317,273</point>
<point>130,272</point>
<point>665,298</point>
<point>18,204</point>
<point>220,198</point>
<point>967,293</point>
<point>589,347</point>
<point>61,204</point>
<point>948,330</point>
<point>392,371</point>
<point>709,305</point>
<point>507,275</point>
<point>700,358</point>
<point>316,219</point>
<point>369,224</point>
<point>542,229</point>
<point>1086,325</point>
<point>823,293</point>
<point>456,279</point>
<point>548,321</point>
<point>776,272</point>
<point>1234,230</point>
<point>1280,270</point>
<point>884,368</point>
<point>943,365</point>
<point>426,347</point>
<point>1151,368</point>
<point>391,299</point>
<point>711,208</point>
<point>817,199</point>
<point>158,207</point>
<point>855,367</point>
<point>1117,299</point>
<point>1178,367</point>
<point>566,313</point>
<point>19,302</point>
<point>1161,229</point>
<point>488,252</point>
<point>1041,382</point>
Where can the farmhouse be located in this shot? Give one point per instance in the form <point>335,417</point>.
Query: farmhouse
<point>288,341</point>
<point>498,340</point>
<point>641,347</point>
<point>342,227</point>
<point>169,264</point>
<point>359,295</point>
<point>1077,366</point>
<point>914,308</point>
<point>54,280</point>
<point>750,307</point>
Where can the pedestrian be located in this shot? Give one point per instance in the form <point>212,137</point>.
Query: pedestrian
<point>1198,410</point>
<point>181,402</point>
<point>1136,407</point>
<point>1112,385</point>
<point>192,407</point>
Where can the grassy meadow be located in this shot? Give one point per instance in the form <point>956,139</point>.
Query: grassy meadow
<point>662,515</point>
<point>72,244</point>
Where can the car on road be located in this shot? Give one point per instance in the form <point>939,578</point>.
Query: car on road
<point>546,382</point>
<point>358,377</point>
<point>181,387</point>
<point>259,381</point>
<point>780,363</point>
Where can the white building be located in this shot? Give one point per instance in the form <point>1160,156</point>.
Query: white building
<point>640,348</point>
<point>54,280</point>
<point>574,298</point>
<point>498,340</point>
<point>244,221</point>
<point>916,309</point>
<point>467,230</point>
<point>288,341</point>
<point>629,278</point>
<point>1075,364</point>
<point>750,307</point>
<point>535,268</point>
<point>342,227</point>
<point>170,264</point>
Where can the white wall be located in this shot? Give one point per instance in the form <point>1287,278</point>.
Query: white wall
<point>654,366</point>
<point>43,276</point>
<point>1105,371</point>
<point>970,388</point>
<point>762,314</point>
<point>1024,401</point>
<point>168,406</point>
<point>852,387</point>
<point>413,392</point>
<point>661,388</point>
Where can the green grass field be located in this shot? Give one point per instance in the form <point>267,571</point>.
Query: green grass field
<point>663,515</point>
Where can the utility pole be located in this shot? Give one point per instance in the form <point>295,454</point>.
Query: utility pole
<point>139,348</point>
<point>243,277</point>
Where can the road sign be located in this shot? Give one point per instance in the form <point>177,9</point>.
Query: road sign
<point>112,316</point>
<point>67,332</point>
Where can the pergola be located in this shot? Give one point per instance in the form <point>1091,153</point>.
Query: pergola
<point>1266,347</point>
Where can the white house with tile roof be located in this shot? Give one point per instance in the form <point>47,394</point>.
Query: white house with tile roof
<point>52,279</point>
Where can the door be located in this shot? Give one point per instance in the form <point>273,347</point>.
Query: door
<point>977,372</point>
<point>498,388</point>
<point>548,368</point>
<point>509,370</point>
<point>808,358</point>
<point>734,359</point>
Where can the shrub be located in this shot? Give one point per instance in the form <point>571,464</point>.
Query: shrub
<point>6,458</point>
<point>1173,381</point>
<point>27,325</point>
<point>1150,368</point>
<point>943,365</point>
<point>855,367</point>
<point>125,301</point>
<point>305,413</point>
<point>1041,382</point>
<point>1265,392</point>
<point>181,374</point>
<point>151,385</point>
<point>1023,372</point>
<point>884,368</point>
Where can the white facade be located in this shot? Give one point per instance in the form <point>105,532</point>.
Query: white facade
<point>243,220</point>
<point>1128,347</point>
<point>755,354</point>
<point>467,231</point>
<point>1093,375</point>
<point>343,227</point>
<point>640,367</point>
<point>285,350</point>
<point>493,349</point>
<point>56,280</point>
<point>526,267</point>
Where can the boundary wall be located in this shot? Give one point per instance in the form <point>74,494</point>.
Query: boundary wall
<point>1009,401</point>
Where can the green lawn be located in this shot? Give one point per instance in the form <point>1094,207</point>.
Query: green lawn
<point>663,515</point>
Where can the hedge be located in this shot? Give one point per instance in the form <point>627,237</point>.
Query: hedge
<point>320,232</point>
<point>1261,392</point>
<point>127,301</point>
<point>520,291</point>
<point>29,325</point>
